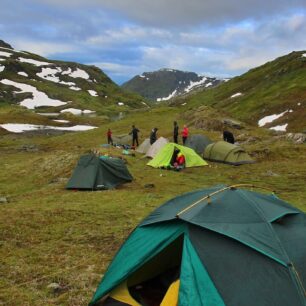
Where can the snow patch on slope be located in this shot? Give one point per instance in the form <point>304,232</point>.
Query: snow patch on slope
<point>280,128</point>
<point>194,84</point>
<point>33,62</point>
<point>5,54</point>
<point>93,93</point>
<point>79,73</point>
<point>23,73</point>
<point>2,68</point>
<point>39,97</point>
<point>167,98</point>
<point>22,127</point>
<point>49,74</point>
<point>238,94</point>
<point>268,119</point>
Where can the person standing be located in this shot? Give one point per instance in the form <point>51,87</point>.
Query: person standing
<point>153,136</point>
<point>175,132</point>
<point>109,137</point>
<point>185,133</point>
<point>134,134</point>
<point>228,136</point>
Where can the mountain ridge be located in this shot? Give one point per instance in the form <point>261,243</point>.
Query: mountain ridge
<point>166,83</point>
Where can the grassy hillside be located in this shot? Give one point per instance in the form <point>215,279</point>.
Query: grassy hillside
<point>273,88</point>
<point>48,234</point>
<point>15,66</point>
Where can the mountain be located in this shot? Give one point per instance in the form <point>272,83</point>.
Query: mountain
<point>271,96</point>
<point>44,85</point>
<point>164,84</point>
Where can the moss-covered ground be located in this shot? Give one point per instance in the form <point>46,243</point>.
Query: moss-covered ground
<point>49,234</point>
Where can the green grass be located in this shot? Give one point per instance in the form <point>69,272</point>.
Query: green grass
<point>48,234</point>
<point>269,89</point>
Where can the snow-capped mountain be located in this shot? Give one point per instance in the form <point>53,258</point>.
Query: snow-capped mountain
<point>34,82</point>
<point>164,84</point>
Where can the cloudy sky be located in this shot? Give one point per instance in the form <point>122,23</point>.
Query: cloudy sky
<point>127,37</point>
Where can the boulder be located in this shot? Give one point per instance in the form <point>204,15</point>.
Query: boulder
<point>3,200</point>
<point>297,138</point>
<point>232,123</point>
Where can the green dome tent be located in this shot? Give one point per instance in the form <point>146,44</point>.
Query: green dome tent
<point>198,143</point>
<point>93,173</point>
<point>228,153</point>
<point>163,157</point>
<point>230,247</point>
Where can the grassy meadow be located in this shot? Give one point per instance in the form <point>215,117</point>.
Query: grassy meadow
<point>51,235</point>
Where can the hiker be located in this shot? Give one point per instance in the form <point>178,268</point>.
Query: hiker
<point>185,133</point>
<point>109,137</point>
<point>228,136</point>
<point>134,134</point>
<point>178,160</point>
<point>153,136</point>
<point>175,132</point>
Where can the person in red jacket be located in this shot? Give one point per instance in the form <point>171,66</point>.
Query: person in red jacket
<point>109,137</point>
<point>180,161</point>
<point>185,134</point>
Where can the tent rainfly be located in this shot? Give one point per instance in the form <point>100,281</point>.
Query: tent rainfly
<point>198,143</point>
<point>94,173</point>
<point>156,147</point>
<point>164,156</point>
<point>228,153</point>
<point>124,139</point>
<point>144,147</point>
<point>222,246</point>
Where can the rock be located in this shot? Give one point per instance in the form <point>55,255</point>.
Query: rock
<point>271,173</point>
<point>209,124</point>
<point>297,138</point>
<point>29,148</point>
<point>149,186</point>
<point>59,180</point>
<point>3,200</point>
<point>262,153</point>
<point>54,287</point>
<point>233,123</point>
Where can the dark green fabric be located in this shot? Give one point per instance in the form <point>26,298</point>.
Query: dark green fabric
<point>241,275</point>
<point>196,286</point>
<point>228,153</point>
<point>198,143</point>
<point>142,245</point>
<point>249,246</point>
<point>94,173</point>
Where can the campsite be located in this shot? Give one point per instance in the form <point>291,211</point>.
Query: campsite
<point>152,153</point>
<point>50,235</point>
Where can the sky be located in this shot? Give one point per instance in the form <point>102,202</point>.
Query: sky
<point>222,38</point>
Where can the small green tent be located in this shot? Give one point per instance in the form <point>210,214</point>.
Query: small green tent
<point>228,153</point>
<point>230,246</point>
<point>93,173</point>
<point>198,143</point>
<point>163,157</point>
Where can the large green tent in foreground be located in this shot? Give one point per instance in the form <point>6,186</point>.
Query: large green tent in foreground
<point>224,152</point>
<point>164,156</point>
<point>94,173</point>
<point>231,247</point>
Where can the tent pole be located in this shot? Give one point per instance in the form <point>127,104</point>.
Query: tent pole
<point>208,197</point>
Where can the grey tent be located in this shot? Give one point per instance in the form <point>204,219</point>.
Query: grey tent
<point>124,139</point>
<point>228,153</point>
<point>93,173</point>
<point>144,147</point>
<point>156,147</point>
<point>198,143</point>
